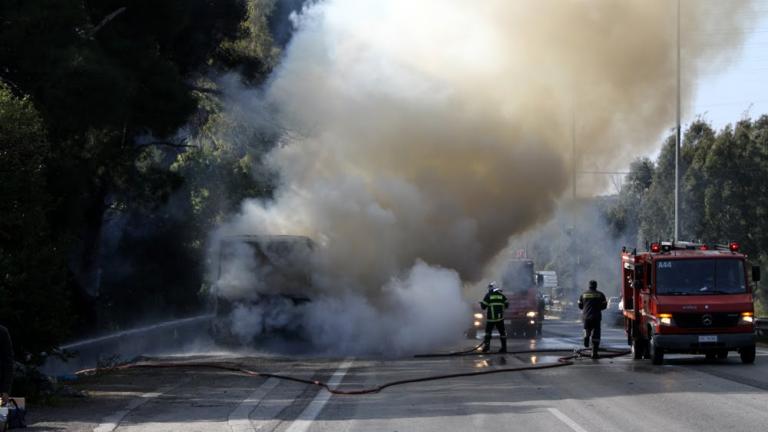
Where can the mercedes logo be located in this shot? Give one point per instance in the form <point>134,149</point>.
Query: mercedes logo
<point>706,320</point>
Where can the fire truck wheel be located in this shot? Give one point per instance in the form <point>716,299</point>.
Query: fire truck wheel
<point>656,353</point>
<point>747,355</point>
<point>638,348</point>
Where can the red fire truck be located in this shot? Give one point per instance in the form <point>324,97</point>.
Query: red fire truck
<point>688,298</point>
<point>525,314</point>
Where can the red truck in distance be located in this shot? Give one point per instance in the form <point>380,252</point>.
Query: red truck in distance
<point>688,298</point>
<point>526,305</point>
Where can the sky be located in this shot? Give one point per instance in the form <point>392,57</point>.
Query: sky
<point>737,86</point>
<point>731,89</point>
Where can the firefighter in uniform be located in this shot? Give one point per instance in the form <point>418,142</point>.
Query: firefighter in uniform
<point>592,302</point>
<point>494,304</point>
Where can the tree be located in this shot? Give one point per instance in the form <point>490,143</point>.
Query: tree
<point>724,195</point>
<point>697,144</point>
<point>657,213</point>
<point>117,89</point>
<point>757,171</point>
<point>35,305</point>
<point>624,216</point>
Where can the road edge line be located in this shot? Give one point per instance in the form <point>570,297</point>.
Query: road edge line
<point>310,413</point>
<point>111,422</point>
<point>566,420</point>
<point>239,420</point>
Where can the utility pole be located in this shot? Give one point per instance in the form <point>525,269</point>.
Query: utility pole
<point>573,152</point>
<point>678,135</point>
<point>568,292</point>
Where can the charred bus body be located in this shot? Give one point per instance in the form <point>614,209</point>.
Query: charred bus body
<point>688,298</point>
<point>261,284</point>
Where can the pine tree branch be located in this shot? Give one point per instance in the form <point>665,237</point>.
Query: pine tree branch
<point>106,21</point>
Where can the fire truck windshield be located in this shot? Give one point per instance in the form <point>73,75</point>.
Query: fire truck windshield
<point>700,277</point>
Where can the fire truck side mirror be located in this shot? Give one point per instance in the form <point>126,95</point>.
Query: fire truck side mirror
<point>756,274</point>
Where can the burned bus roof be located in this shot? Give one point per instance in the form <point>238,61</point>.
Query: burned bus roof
<point>269,238</point>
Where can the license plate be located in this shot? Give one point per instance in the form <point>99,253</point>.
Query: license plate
<point>706,339</point>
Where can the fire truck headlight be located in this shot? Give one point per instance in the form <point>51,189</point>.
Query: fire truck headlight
<point>747,317</point>
<point>477,323</point>
<point>478,316</point>
<point>665,319</point>
<point>531,314</point>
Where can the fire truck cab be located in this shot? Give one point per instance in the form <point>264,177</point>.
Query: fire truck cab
<point>688,298</point>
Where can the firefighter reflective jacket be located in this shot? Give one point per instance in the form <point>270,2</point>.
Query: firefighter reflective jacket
<point>592,303</point>
<point>494,304</point>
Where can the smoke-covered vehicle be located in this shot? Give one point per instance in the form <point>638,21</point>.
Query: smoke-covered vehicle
<point>525,314</point>
<point>261,284</point>
<point>548,284</point>
<point>613,313</point>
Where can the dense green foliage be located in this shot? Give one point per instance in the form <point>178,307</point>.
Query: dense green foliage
<point>105,204</point>
<point>723,198</point>
<point>32,275</point>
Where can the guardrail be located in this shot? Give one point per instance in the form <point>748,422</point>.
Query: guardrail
<point>163,337</point>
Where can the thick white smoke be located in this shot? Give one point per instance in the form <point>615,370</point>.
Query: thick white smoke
<point>421,311</point>
<point>425,133</point>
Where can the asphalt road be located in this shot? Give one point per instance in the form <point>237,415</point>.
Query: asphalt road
<point>687,393</point>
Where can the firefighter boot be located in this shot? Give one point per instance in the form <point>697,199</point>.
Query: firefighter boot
<point>595,348</point>
<point>486,344</point>
<point>586,341</point>
<point>503,345</point>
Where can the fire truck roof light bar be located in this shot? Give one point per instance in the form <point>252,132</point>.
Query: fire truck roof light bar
<point>732,246</point>
<point>659,247</point>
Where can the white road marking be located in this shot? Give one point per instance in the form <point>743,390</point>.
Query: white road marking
<point>310,413</point>
<point>110,423</point>
<point>239,419</point>
<point>566,344</point>
<point>567,420</point>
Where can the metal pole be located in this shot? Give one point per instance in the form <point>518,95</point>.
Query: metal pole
<point>573,152</point>
<point>677,138</point>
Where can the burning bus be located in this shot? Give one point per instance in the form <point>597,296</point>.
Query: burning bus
<point>261,283</point>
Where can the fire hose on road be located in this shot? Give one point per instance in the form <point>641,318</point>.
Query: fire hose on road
<point>567,360</point>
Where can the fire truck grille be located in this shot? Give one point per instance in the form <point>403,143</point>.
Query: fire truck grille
<point>713,320</point>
